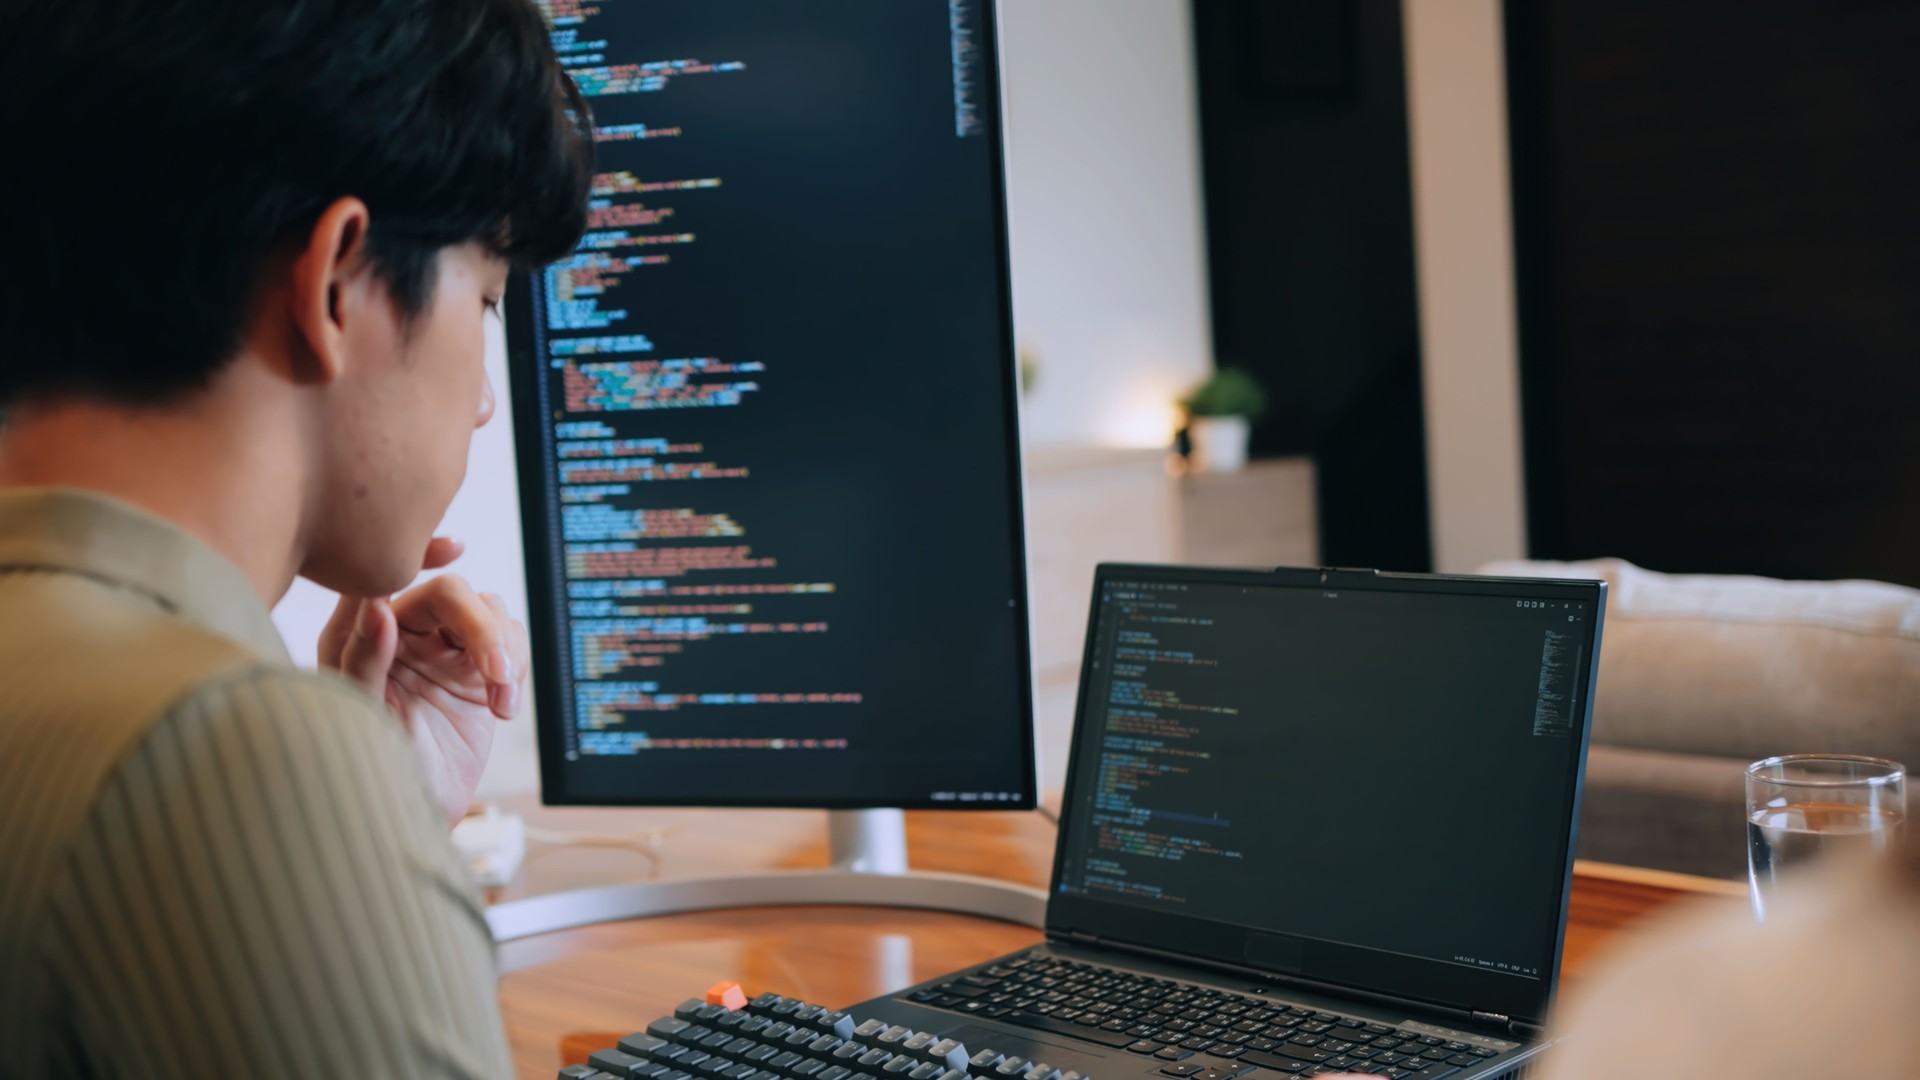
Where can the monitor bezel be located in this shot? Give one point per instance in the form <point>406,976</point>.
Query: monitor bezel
<point>1359,970</point>
<point>544,607</point>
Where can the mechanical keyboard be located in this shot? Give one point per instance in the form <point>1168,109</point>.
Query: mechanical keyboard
<point>771,1037</point>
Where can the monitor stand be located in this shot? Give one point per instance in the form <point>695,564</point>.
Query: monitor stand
<point>868,851</point>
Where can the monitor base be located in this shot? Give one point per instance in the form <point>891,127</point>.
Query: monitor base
<point>869,853</point>
<point>957,893</point>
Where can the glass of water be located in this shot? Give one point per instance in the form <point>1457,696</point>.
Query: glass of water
<point>1802,807</point>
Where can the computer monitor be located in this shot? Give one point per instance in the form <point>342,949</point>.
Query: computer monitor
<point>766,416</point>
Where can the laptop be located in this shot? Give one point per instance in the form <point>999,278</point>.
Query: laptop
<point>1315,821</point>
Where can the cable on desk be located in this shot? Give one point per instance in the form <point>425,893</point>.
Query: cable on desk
<point>643,843</point>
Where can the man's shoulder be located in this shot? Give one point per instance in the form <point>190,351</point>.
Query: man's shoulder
<point>88,670</point>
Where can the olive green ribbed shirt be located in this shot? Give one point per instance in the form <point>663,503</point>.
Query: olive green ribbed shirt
<point>212,864</point>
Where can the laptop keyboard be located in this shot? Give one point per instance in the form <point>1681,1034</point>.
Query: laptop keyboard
<point>1199,1032</point>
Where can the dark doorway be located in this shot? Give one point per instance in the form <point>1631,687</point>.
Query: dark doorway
<point>1303,121</point>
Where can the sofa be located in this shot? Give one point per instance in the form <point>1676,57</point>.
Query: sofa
<point>1700,675</point>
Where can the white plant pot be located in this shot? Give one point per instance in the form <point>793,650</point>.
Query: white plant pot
<point>1219,443</point>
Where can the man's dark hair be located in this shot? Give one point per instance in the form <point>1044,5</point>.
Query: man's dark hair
<point>157,152</point>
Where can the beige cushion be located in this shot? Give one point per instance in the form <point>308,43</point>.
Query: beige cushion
<point>1746,667</point>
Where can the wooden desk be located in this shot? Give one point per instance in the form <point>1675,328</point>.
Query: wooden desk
<point>590,986</point>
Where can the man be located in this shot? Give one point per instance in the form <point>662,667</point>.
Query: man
<point>1827,986</point>
<point>250,249</point>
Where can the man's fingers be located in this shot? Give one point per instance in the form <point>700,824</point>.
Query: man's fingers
<point>371,642</point>
<point>508,701</point>
<point>441,551</point>
<point>333,638</point>
<point>447,605</point>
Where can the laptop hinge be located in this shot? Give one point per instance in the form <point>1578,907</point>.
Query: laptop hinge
<point>1079,938</point>
<point>1493,1018</point>
<point>1520,1029</point>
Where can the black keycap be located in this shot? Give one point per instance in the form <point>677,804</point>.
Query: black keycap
<point>949,1054</point>
<point>1463,1060</point>
<point>869,1028</point>
<point>765,1001</point>
<point>617,1062</point>
<point>641,1044</point>
<point>787,1008</point>
<point>1306,1040</point>
<point>738,1046</point>
<point>1010,1068</point>
<point>678,1074</point>
<point>1229,1052</point>
<point>738,1072</point>
<point>806,1069</point>
<point>1385,1042</point>
<point>835,1023</point>
<point>1173,1053</point>
<point>780,1063</point>
<point>710,1013</point>
<point>834,1072</point>
<point>1389,1057</point>
<point>850,1051</point>
<point>731,1020</point>
<point>899,1066</point>
<point>917,1044</point>
<point>1182,1070</point>
<point>985,1059</point>
<point>807,1014</point>
<point>1435,1053</point>
<point>1482,1052</point>
<point>753,1025</point>
<point>1042,1071</point>
<point>1304,1053</point>
<point>716,1065</point>
<point>1378,1029</point>
<point>824,1045</point>
<point>1458,1047</point>
<point>761,1053</point>
<point>1146,1046</point>
<point>717,1039</point>
<point>776,1031</point>
<point>926,1070</point>
<point>875,1058</point>
<point>1431,1040</point>
<point>893,1037</point>
<point>689,1008</point>
<point>1197,1043</point>
<point>667,1027</point>
<point>1066,1027</point>
<point>1350,1034</point>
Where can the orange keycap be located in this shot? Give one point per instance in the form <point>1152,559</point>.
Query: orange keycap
<point>728,994</point>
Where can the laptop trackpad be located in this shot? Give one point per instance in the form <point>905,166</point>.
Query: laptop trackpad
<point>1065,1054</point>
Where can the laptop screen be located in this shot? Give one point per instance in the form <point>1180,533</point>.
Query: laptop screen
<point>1358,779</point>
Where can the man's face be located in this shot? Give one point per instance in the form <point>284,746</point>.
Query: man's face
<point>400,424</point>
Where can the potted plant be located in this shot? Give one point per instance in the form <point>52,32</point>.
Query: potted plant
<point>1220,415</point>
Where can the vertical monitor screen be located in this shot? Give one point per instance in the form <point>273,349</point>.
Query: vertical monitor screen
<point>765,416</point>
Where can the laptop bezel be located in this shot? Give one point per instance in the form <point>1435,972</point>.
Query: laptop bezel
<point>1446,986</point>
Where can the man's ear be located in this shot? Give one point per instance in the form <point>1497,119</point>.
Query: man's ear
<point>330,280</point>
